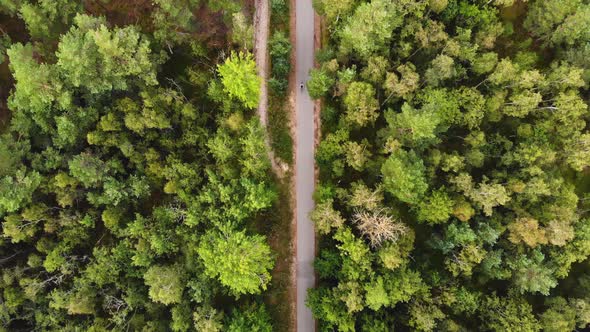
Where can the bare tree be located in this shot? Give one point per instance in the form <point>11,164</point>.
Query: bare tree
<point>378,226</point>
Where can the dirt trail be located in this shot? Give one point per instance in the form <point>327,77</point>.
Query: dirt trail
<point>261,31</point>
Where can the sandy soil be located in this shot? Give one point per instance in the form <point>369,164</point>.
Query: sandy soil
<point>261,32</point>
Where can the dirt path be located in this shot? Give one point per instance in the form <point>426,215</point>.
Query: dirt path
<point>261,31</point>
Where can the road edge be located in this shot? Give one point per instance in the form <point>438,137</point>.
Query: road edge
<point>293,116</point>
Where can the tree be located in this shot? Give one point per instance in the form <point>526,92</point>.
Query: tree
<point>532,274</point>
<point>523,103</point>
<point>361,105</point>
<point>375,70</point>
<point>578,151</point>
<point>17,191</point>
<point>207,319</point>
<point>465,260</point>
<point>334,10</point>
<point>376,295</point>
<point>500,314</point>
<point>362,196</point>
<point>330,309</point>
<point>37,86</point>
<point>319,83</point>
<point>244,266</point>
<point>325,217</point>
<point>165,283</point>
<point>559,232</point>
<point>243,31</point>
<point>44,18</point>
<point>438,5</point>
<point>424,316</point>
<point>414,128</point>
<point>402,86</point>
<point>88,169</point>
<point>559,316</point>
<point>526,230</point>
<point>544,17</point>
<point>357,155</point>
<point>403,176</point>
<point>253,318</point>
<point>442,68</point>
<point>394,255</point>
<point>379,227</point>
<point>436,208</point>
<point>239,78</point>
<point>369,29</point>
<point>486,195</point>
<point>485,62</point>
<point>24,226</point>
<point>98,59</point>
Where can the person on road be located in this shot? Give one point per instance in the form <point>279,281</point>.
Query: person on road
<point>301,85</point>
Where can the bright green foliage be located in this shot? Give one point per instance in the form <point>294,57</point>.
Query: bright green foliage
<point>361,105</point>
<point>37,87</point>
<point>533,275</point>
<point>559,316</point>
<point>334,9</point>
<point>88,169</point>
<point>99,59</point>
<point>122,163</point>
<point>403,176</point>
<point>319,83</point>
<point>325,217</point>
<point>437,208</point>
<point>413,127</point>
<point>245,263</point>
<point>508,314</point>
<point>280,53</point>
<point>442,68</point>
<point>17,190</point>
<point>207,319</point>
<point>46,17</point>
<point>254,318</point>
<point>403,85</point>
<point>369,29</point>
<point>166,284</point>
<point>438,5</point>
<point>177,12</point>
<point>544,16</point>
<point>454,148</point>
<point>239,78</point>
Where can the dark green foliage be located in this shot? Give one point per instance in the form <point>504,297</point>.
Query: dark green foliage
<point>279,119</point>
<point>127,191</point>
<point>280,57</point>
<point>453,166</point>
<point>252,318</point>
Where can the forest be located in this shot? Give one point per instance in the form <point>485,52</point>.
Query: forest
<point>137,192</point>
<point>135,188</point>
<point>454,165</point>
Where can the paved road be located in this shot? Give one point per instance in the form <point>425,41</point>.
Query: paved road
<point>304,178</point>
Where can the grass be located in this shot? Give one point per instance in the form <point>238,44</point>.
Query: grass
<point>279,129</point>
<point>279,120</point>
<point>277,225</point>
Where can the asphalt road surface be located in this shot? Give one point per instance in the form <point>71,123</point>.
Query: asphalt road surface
<point>304,177</point>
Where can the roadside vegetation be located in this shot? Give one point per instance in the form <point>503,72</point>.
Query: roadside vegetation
<point>280,297</point>
<point>133,173</point>
<point>454,161</point>
<point>279,119</point>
